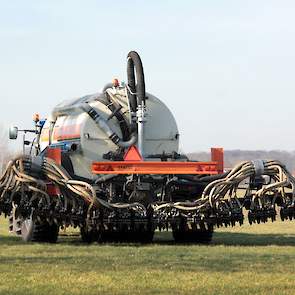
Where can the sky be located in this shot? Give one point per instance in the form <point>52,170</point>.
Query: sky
<point>224,68</point>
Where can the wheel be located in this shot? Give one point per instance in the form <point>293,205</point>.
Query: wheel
<point>35,231</point>
<point>185,235</point>
<point>14,223</point>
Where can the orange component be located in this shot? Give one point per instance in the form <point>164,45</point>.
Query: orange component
<point>36,118</point>
<point>142,167</point>
<point>54,154</point>
<point>52,190</point>
<point>133,154</point>
<point>116,82</point>
<point>217,155</point>
<point>66,132</point>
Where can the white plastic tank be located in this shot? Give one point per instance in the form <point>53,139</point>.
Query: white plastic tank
<point>85,142</point>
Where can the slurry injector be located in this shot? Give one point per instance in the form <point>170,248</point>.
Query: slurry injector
<point>109,163</point>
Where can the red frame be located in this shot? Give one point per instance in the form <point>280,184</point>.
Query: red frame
<point>148,167</point>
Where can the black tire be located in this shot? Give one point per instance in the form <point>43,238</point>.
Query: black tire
<point>199,236</point>
<point>34,231</point>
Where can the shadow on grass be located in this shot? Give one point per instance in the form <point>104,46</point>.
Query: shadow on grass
<point>10,240</point>
<point>219,238</point>
<point>236,239</point>
<point>165,238</point>
<point>247,239</point>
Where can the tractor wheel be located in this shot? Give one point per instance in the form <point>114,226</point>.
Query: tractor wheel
<point>35,231</point>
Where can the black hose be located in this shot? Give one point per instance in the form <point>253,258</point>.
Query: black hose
<point>104,125</point>
<point>121,120</point>
<point>202,178</point>
<point>210,178</point>
<point>136,85</point>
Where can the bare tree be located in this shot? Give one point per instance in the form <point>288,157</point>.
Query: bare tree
<point>233,157</point>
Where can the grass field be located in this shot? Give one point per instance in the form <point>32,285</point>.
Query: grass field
<point>256,259</point>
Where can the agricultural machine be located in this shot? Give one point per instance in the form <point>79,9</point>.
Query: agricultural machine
<point>109,163</point>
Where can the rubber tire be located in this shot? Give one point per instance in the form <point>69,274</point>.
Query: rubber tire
<point>34,231</point>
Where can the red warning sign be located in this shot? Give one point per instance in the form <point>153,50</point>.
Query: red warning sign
<point>133,154</point>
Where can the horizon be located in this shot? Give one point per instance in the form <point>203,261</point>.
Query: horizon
<point>225,70</point>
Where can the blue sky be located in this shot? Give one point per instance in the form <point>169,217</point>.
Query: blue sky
<point>225,68</point>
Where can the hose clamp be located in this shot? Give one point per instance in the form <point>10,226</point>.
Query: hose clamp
<point>258,167</point>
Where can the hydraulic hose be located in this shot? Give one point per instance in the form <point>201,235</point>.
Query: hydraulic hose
<point>114,107</point>
<point>207,178</point>
<point>136,84</point>
<point>107,86</point>
<point>136,96</point>
<point>101,122</point>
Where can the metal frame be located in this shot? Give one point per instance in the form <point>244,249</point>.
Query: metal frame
<point>134,164</point>
<point>142,167</point>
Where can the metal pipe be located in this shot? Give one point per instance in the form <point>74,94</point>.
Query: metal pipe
<point>137,95</point>
<point>140,114</point>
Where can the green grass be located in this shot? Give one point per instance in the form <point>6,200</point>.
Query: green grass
<point>257,259</point>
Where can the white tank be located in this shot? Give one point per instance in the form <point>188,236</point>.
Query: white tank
<point>81,137</point>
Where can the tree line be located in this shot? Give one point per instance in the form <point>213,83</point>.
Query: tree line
<point>233,157</point>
